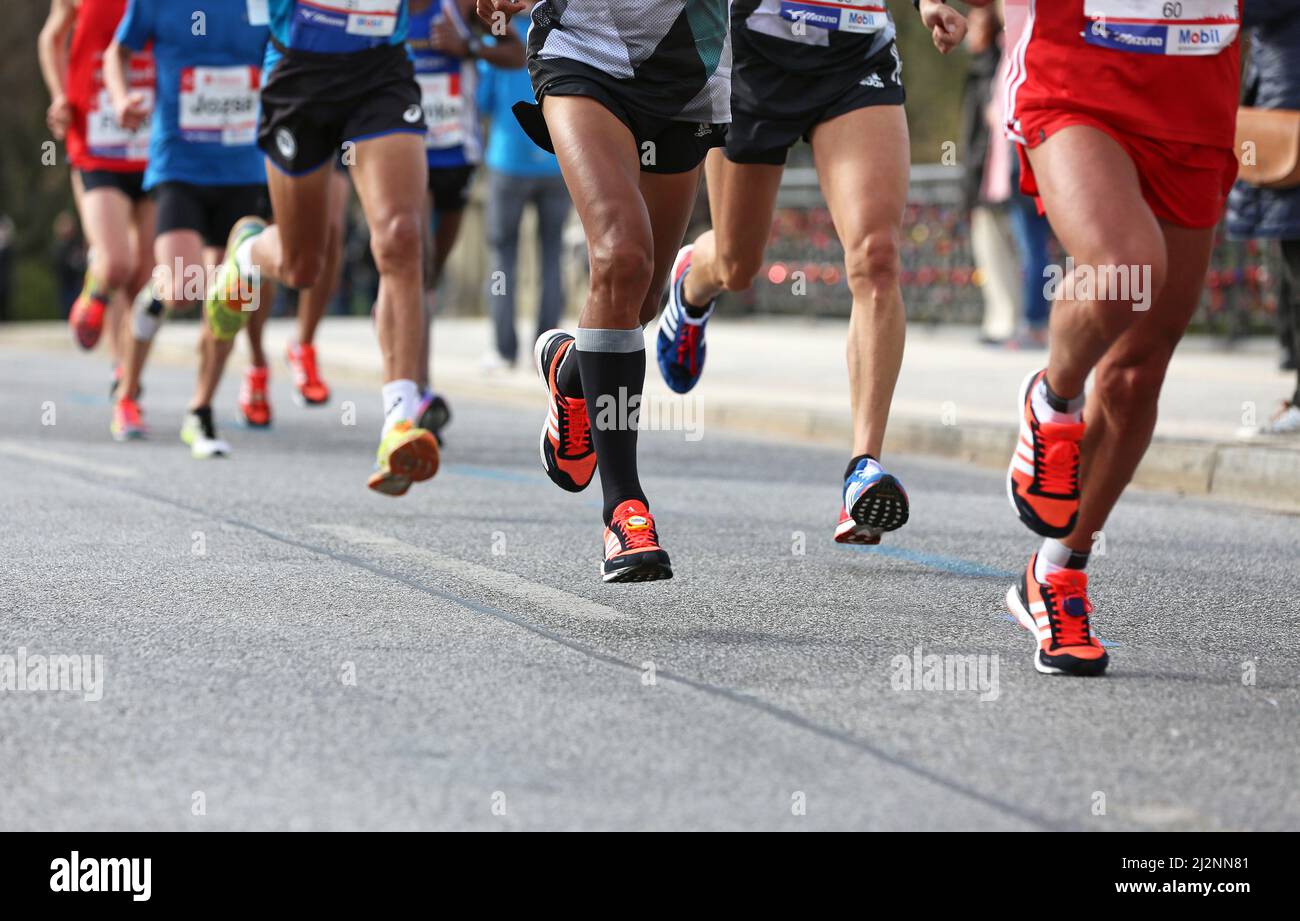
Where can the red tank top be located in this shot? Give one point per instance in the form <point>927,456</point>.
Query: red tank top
<point>1147,67</point>
<point>95,140</point>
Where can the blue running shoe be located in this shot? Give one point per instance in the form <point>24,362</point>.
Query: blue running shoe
<point>874,502</point>
<point>680,342</point>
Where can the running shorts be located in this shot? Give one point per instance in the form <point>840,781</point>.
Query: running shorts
<point>129,184</point>
<point>211,211</point>
<point>450,187</point>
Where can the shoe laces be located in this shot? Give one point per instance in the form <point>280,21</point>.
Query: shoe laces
<point>1068,608</point>
<point>305,357</point>
<point>130,411</point>
<point>688,345</point>
<point>638,532</point>
<point>576,428</point>
<point>1057,463</point>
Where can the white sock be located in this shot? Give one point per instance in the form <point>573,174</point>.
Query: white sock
<point>244,257</point>
<point>1053,556</point>
<point>1044,411</point>
<point>401,398</point>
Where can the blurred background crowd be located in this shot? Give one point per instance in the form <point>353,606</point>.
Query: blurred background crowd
<point>975,251</point>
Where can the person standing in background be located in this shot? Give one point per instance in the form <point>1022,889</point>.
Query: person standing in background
<point>1272,81</point>
<point>519,174</point>
<point>986,185</point>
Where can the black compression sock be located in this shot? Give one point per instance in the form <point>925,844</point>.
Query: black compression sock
<point>569,377</point>
<point>613,375</point>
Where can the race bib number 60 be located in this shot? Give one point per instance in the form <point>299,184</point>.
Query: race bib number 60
<point>837,15</point>
<point>1181,27</point>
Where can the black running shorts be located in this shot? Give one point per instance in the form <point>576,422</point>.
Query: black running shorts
<point>314,103</point>
<point>210,211</point>
<point>129,184</point>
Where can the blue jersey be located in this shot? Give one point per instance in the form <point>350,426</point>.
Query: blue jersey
<point>448,89</point>
<point>337,26</point>
<point>208,56</point>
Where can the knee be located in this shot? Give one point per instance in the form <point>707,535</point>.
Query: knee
<point>1133,274</point>
<point>872,264</point>
<point>395,242</point>
<point>115,269</point>
<point>622,268</point>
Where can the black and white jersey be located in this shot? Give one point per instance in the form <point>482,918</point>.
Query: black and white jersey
<point>672,57</point>
<point>804,37</point>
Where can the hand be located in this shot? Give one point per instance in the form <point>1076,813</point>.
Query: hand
<point>947,26</point>
<point>58,117</point>
<point>496,13</point>
<point>446,38</point>
<point>132,112</point>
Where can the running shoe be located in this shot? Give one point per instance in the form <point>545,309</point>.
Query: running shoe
<point>86,319</point>
<point>1043,480</point>
<point>568,454</point>
<point>433,414</point>
<point>308,388</point>
<point>1057,613</point>
<point>1286,421</point>
<point>407,454</point>
<point>199,431</point>
<point>632,551</point>
<point>874,502</point>
<point>232,297</point>
<point>680,342</point>
<point>128,421</point>
<point>253,402</point>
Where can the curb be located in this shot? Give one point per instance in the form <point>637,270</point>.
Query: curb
<point>1262,475</point>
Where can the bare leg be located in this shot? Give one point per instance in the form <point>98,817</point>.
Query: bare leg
<point>742,200</point>
<point>213,352</point>
<point>1121,414</point>
<point>313,301</point>
<point>1093,198</point>
<point>865,186</point>
<point>292,251</point>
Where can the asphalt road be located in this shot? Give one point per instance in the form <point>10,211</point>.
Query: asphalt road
<point>283,649</point>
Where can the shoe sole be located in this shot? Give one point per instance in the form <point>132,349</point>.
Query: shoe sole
<point>651,570</point>
<point>413,461</point>
<point>129,435</point>
<point>850,532</point>
<point>883,507</point>
<point>554,474</point>
<point>1086,668</point>
<point>305,403</point>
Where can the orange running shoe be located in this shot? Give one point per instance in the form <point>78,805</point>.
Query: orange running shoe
<point>1043,480</point>
<point>309,389</point>
<point>407,454</point>
<point>128,421</point>
<point>568,455</point>
<point>632,551</point>
<point>1057,613</point>
<point>253,402</point>
<point>86,319</point>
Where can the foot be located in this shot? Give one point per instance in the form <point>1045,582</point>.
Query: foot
<point>433,413</point>
<point>1057,613</point>
<point>1043,480</point>
<point>87,319</point>
<point>232,297</point>
<point>199,431</point>
<point>128,421</point>
<point>253,402</point>
<point>632,551</point>
<point>407,454</point>
<point>568,455</point>
<point>308,388</point>
<point>680,342</point>
<point>874,502</point>
<point>116,382</point>
<point>1286,421</point>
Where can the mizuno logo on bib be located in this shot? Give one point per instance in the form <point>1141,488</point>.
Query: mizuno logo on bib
<point>341,26</point>
<point>1182,27</point>
<point>837,15</point>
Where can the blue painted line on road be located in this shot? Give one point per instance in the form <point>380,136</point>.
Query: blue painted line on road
<point>949,564</point>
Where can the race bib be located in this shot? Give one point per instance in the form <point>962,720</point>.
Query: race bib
<point>368,18</point>
<point>1182,27</point>
<point>837,15</point>
<point>107,139</point>
<point>444,110</point>
<point>259,12</point>
<point>218,105</point>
